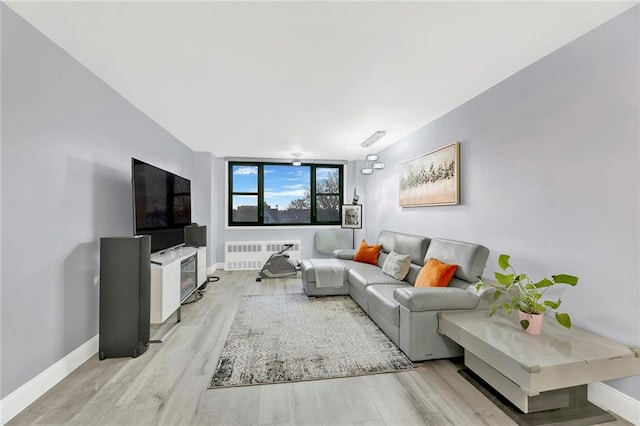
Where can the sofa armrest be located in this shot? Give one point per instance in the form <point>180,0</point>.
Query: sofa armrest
<point>435,298</point>
<point>346,254</point>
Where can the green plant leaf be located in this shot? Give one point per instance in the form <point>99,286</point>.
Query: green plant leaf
<point>494,308</point>
<point>524,294</point>
<point>503,261</point>
<point>552,304</point>
<point>539,309</point>
<point>565,279</point>
<point>520,278</point>
<point>563,319</point>
<point>543,283</point>
<point>524,324</point>
<point>505,280</point>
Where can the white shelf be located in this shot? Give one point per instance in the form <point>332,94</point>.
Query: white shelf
<point>172,255</point>
<point>202,266</point>
<point>165,279</point>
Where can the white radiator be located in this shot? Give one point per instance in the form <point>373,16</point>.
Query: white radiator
<point>249,255</point>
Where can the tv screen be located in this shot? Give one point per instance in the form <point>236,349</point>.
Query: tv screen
<point>161,204</point>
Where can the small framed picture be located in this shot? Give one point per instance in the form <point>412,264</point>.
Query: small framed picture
<point>352,216</point>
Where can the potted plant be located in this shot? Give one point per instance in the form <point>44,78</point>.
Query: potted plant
<point>525,296</point>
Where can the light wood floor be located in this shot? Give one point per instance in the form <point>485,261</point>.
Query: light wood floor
<point>168,384</point>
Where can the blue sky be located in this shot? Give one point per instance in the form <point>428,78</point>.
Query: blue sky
<point>282,183</point>
<point>285,183</point>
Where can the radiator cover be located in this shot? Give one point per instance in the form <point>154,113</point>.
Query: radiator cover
<point>252,255</point>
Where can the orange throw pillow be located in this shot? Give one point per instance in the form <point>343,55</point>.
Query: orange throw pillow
<point>367,253</point>
<point>435,274</point>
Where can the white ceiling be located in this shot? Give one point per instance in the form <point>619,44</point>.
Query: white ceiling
<point>269,79</point>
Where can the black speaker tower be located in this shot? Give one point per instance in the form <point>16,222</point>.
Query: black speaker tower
<point>125,289</point>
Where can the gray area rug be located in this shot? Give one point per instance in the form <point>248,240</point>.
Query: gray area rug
<point>290,337</point>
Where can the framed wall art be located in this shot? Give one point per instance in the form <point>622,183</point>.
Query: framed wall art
<point>432,179</point>
<point>352,216</point>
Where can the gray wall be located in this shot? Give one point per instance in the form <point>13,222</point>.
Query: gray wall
<point>203,192</point>
<point>550,162</point>
<point>67,143</point>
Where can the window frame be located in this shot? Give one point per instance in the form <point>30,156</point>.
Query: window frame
<point>260,193</point>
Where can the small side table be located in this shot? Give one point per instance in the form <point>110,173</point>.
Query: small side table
<point>542,372</point>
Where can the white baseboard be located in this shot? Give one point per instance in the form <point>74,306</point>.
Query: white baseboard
<point>214,268</point>
<point>613,400</point>
<point>21,398</point>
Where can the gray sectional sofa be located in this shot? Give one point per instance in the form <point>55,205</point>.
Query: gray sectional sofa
<point>409,315</point>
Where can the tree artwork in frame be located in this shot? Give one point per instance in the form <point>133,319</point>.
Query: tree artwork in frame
<point>432,179</point>
<point>352,216</point>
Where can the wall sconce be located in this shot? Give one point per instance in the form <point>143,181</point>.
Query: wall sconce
<point>367,171</point>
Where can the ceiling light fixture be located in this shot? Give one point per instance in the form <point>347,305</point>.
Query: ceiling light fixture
<point>373,158</point>
<point>296,162</point>
<point>373,138</point>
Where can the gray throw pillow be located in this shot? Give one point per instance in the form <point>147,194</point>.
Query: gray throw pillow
<point>397,265</point>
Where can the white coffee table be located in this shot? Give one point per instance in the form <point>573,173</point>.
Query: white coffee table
<point>537,373</point>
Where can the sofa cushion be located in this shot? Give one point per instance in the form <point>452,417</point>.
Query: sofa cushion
<point>435,298</point>
<point>367,253</point>
<point>357,281</point>
<point>380,298</point>
<point>326,241</point>
<point>435,274</point>
<point>351,264</point>
<point>413,245</point>
<point>359,266</point>
<point>387,239</point>
<point>346,254</point>
<point>397,265</point>
<point>470,258</point>
<point>414,270</point>
<point>360,279</point>
<point>308,274</point>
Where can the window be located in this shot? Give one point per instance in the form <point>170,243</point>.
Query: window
<point>281,194</point>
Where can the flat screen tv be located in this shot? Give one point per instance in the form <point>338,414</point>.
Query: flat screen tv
<point>161,205</point>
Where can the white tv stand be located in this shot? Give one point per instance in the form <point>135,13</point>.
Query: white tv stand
<point>169,269</point>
